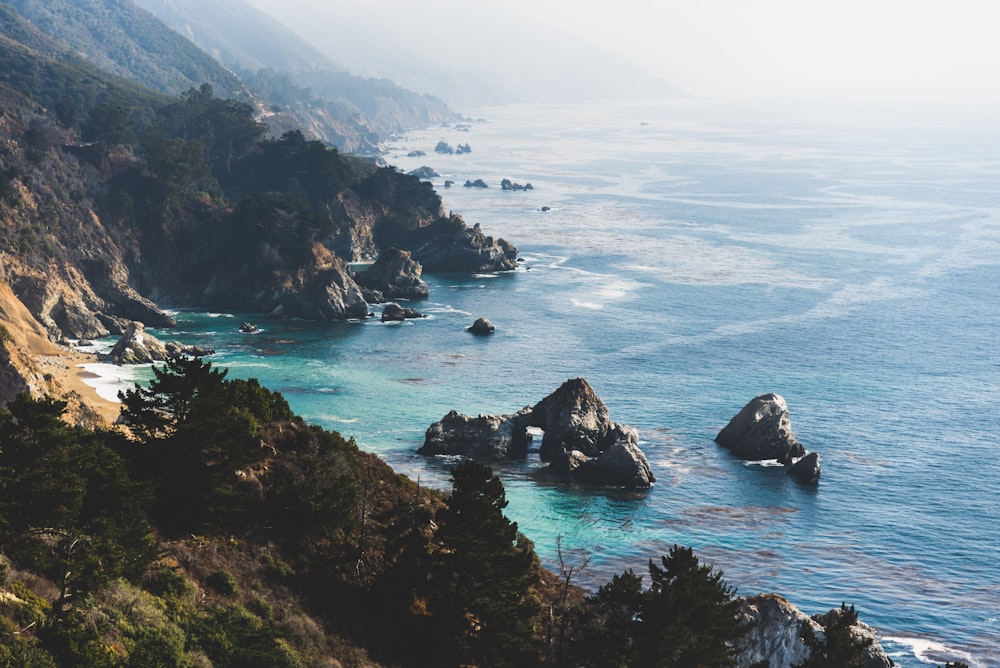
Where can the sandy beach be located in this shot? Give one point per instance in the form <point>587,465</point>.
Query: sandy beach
<point>66,368</point>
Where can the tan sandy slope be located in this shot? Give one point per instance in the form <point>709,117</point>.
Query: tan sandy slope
<point>50,369</point>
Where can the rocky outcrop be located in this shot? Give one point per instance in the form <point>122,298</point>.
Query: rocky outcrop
<point>805,469</point>
<point>322,290</point>
<point>424,172</point>
<point>393,312</point>
<point>775,634</point>
<point>484,438</point>
<point>449,245</point>
<point>761,431</point>
<point>394,275</point>
<point>580,442</point>
<point>507,184</point>
<point>478,183</point>
<point>482,327</point>
<point>137,346</point>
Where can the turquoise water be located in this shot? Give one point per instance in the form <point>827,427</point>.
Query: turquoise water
<point>689,261</point>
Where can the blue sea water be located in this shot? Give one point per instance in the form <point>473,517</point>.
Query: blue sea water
<point>691,258</point>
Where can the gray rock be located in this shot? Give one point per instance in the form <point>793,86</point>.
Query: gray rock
<point>482,326</point>
<point>762,430</point>
<point>580,443</point>
<point>573,418</point>
<point>776,634</point>
<point>484,438</point>
<point>806,469</point>
<point>394,275</point>
<point>623,464</point>
<point>447,244</point>
<point>393,312</point>
<point>137,346</point>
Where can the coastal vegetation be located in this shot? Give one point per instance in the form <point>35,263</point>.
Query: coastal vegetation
<point>219,527</point>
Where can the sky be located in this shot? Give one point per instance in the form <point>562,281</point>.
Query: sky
<point>883,48</point>
<point>944,52</point>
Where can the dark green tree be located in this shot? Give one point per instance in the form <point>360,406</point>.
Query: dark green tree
<point>109,125</point>
<point>689,617</point>
<point>196,431</point>
<point>479,595</point>
<point>68,507</point>
<point>606,631</point>
<point>838,648</point>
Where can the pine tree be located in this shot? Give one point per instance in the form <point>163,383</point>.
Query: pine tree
<point>689,616</point>
<point>479,591</point>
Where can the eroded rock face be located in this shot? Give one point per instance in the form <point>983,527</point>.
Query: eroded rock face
<point>762,430</point>
<point>395,275</point>
<point>137,346</point>
<point>580,442</point>
<point>449,245</point>
<point>574,418</point>
<point>322,291</point>
<point>484,438</point>
<point>776,634</point>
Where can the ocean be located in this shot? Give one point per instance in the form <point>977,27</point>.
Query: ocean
<point>685,257</point>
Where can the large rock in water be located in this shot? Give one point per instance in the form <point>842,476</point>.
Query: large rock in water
<point>484,438</point>
<point>581,440</point>
<point>580,443</point>
<point>574,418</point>
<point>395,275</point>
<point>776,634</point>
<point>762,430</point>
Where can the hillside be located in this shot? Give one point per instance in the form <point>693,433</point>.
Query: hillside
<point>123,39</point>
<point>298,80</point>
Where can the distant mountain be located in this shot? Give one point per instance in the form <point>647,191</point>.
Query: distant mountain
<point>306,85</point>
<point>129,41</point>
<point>120,37</point>
<point>485,55</point>
<point>240,36</point>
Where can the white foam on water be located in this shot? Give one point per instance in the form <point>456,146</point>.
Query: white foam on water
<point>109,379</point>
<point>931,652</point>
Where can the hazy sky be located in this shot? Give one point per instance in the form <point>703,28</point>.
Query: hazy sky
<point>899,50</point>
<point>891,48</point>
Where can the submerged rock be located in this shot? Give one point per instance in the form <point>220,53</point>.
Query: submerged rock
<point>762,430</point>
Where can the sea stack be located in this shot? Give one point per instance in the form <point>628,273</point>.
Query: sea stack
<point>762,430</point>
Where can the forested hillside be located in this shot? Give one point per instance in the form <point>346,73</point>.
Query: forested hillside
<point>220,530</point>
<point>122,38</point>
<point>125,40</point>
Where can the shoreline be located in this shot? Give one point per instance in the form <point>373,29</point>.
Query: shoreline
<point>73,372</point>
